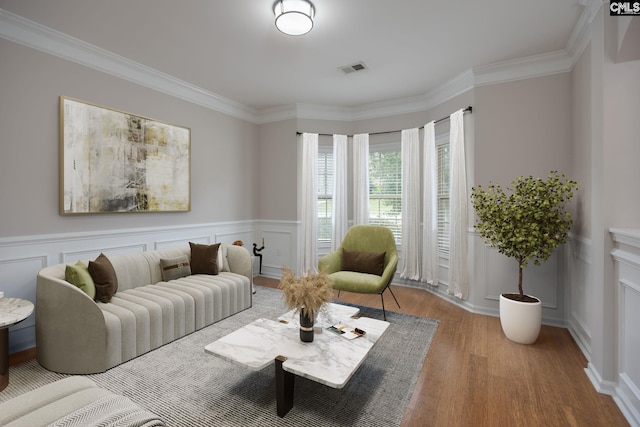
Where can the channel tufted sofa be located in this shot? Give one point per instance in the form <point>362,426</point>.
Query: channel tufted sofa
<point>77,335</point>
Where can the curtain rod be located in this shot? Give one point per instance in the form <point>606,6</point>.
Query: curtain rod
<point>468,109</point>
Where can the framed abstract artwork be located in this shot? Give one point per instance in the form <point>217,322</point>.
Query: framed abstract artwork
<point>112,161</point>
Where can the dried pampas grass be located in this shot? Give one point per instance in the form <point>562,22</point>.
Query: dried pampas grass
<point>306,294</point>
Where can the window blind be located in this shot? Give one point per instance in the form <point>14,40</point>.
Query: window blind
<point>325,196</point>
<point>444,186</point>
<point>385,190</point>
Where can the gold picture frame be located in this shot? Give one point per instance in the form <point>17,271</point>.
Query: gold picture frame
<point>113,161</point>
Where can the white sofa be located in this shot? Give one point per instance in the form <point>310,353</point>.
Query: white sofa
<point>76,335</point>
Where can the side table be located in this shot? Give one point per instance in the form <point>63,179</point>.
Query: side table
<point>12,311</point>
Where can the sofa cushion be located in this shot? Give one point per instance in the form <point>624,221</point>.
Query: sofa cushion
<point>175,268</point>
<point>204,258</point>
<point>78,274</point>
<point>363,262</point>
<point>223,262</point>
<point>73,401</point>
<point>104,277</point>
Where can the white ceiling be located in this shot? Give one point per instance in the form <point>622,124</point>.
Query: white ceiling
<point>232,48</point>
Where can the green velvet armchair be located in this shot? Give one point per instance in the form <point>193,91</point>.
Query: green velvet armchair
<point>364,263</point>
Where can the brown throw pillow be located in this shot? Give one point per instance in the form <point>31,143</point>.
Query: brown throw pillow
<point>363,262</point>
<point>204,258</point>
<point>104,277</point>
<point>175,268</point>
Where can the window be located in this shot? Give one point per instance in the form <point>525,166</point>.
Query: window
<point>325,193</point>
<point>385,188</point>
<point>444,186</point>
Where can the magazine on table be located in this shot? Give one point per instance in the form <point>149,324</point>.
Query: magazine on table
<point>346,331</point>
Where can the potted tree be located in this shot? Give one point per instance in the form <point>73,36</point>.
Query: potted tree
<point>527,223</point>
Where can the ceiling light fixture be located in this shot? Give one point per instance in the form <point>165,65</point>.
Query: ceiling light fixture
<point>294,17</point>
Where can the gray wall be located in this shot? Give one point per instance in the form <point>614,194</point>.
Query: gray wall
<point>277,166</point>
<point>523,128</point>
<point>223,149</point>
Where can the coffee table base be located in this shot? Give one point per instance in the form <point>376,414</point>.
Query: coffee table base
<point>284,388</point>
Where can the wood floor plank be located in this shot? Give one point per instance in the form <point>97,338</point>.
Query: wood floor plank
<point>474,376</point>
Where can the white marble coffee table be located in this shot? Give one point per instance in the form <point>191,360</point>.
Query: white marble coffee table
<point>12,311</point>
<point>330,359</point>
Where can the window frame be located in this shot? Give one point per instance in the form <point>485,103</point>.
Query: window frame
<point>440,141</point>
<point>325,150</point>
<point>394,146</point>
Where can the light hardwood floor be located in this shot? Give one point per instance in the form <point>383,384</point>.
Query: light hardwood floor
<point>474,376</point>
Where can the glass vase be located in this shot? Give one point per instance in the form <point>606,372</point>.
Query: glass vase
<point>306,327</point>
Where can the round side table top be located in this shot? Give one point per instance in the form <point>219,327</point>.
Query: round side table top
<point>14,310</point>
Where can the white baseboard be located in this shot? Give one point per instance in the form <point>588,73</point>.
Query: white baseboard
<point>627,398</point>
<point>601,386</point>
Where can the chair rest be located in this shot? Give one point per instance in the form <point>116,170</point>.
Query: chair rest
<point>352,281</point>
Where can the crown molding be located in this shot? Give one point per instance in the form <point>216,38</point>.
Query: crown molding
<point>29,33</point>
<point>591,8</point>
<point>275,114</point>
<point>581,34</point>
<point>523,68</point>
<point>324,112</point>
<point>414,104</point>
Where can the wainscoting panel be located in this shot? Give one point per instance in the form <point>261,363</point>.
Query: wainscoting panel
<point>491,273</point>
<point>501,275</point>
<point>280,246</point>
<point>539,281</point>
<point>16,275</point>
<point>578,295</point>
<point>22,257</point>
<point>627,260</point>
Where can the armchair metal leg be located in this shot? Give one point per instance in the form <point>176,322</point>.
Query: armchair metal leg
<point>384,313</point>
<point>394,297</point>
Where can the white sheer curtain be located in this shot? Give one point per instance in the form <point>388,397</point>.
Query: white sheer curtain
<point>339,215</point>
<point>309,208</point>
<point>430,261</point>
<point>410,157</point>
<point>361,178</point>
<point>458,274</point>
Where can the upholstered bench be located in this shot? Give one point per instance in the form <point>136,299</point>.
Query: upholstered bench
<point>73,401</point>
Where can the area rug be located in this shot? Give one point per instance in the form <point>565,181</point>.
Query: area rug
<point>187,387</point>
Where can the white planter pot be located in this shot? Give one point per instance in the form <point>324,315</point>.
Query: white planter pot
<point>520,320</point>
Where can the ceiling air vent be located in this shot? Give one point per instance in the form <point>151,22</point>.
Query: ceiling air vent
<point>353,67</point>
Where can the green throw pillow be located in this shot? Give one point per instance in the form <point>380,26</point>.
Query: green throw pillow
<point>78,274</point>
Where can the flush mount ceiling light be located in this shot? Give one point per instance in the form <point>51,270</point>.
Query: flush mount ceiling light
<point>294,17</point>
